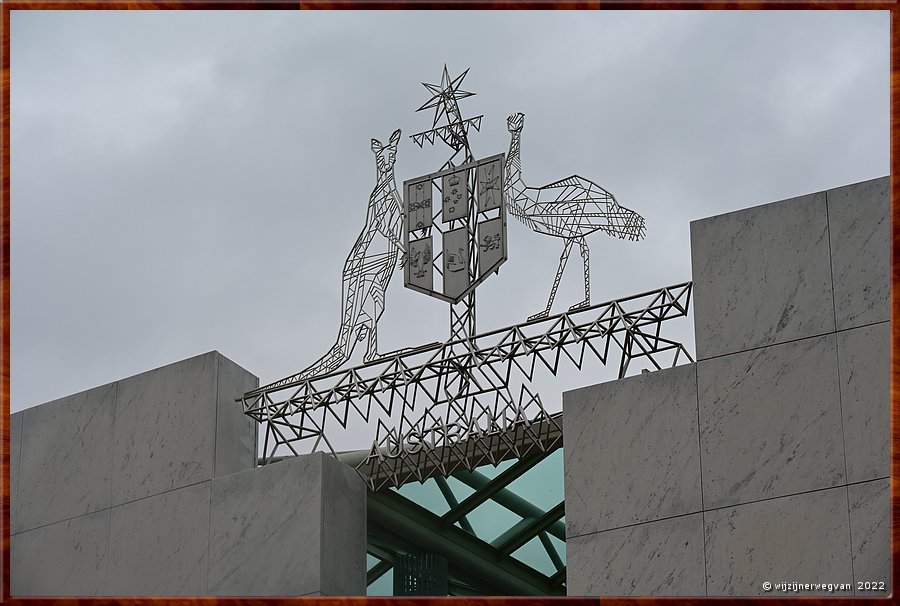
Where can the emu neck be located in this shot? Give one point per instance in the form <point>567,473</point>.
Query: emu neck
<point>513,160</point>
<point>514,182</point>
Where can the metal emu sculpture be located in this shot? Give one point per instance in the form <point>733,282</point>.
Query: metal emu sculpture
<point>570,209</point>
<point>467,401</point>
<point>368,268</point>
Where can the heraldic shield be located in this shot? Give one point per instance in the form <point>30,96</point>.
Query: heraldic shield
<point>454,228</point>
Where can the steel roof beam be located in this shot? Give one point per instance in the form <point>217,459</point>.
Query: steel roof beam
<point>515,531</point>
<point>387,540</point>
<point>494,486</point>
<point>464,552</point>
<point>551,551</point>
<point>377,571</point>
<point>530,531</point>
<point>510,501</point>
<point>559,578</point>
<point>442,484</point>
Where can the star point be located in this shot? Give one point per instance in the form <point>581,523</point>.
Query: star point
<point>445,92</point>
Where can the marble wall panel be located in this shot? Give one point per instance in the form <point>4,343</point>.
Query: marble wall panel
<point>870,531</point>
<point>65,464</point>
<point>802,538</point>
<point>266,529</point>
<point>770,422</point>
<point>62,559</point>
<point>860,228</point>
<point>661,558</point>
<point>165,429</point>
<point>632,451</point>
<point>159,545</point>
<point>15,447</point>
<point>761,276</point>
<point>344,530</point>
<point>864,364</point>
<point>235,431</point>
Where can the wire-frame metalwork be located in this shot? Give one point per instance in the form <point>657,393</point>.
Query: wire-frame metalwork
<point>462,404</point>
<point>368,268</point>
<point>570,209</point>
<point>455,134</point>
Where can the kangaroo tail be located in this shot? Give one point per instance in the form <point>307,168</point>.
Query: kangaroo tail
<point>337,355</point>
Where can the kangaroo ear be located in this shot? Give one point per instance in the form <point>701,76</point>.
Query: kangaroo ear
<point>377,146</point>
<point>395,138</point>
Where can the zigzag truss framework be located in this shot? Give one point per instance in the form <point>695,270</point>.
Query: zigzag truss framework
<point>464,403</point>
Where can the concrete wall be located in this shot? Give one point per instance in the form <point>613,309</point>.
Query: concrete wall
<point>768,459</point>
<point>297,527</point>
<point>147,486</point>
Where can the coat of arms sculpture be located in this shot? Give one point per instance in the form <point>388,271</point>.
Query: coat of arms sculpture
<point>468,400</point>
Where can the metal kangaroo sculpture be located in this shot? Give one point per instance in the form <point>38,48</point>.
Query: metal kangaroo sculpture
<point>472,399</point>
<point>570,209</point>
<point>369,267</point>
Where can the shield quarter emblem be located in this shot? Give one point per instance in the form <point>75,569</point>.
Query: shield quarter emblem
<point>453,246</point>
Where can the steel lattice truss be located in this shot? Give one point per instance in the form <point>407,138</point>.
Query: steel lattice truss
<point>368,268</point>
<point>462,404</point>
<point>455,134</point>
<point>570,209</point>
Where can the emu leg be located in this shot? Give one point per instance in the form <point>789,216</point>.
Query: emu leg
<point>562,265</point>
<point>585,255</point>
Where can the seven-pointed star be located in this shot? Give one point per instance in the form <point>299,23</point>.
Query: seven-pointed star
<point>490,180</point>
<point>444,93</point>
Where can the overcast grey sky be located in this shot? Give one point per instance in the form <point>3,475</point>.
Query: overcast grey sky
<point>189,181</point>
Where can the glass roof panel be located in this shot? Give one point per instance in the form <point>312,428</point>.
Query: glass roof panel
<point>533,554</point>
<point>542,485</point>
<point>460,489</point>
<point>428,495</point>
<point>537,490</point>
<point>384,585</point>
<point>489,520</point>
<point>491,472</point>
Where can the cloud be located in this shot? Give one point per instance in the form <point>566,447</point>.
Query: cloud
<point>186,181</point>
